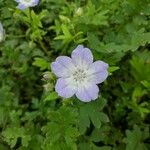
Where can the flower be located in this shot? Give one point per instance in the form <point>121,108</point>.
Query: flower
<point>2,33</point>
<point>79,75</point>
<point>23,4</point>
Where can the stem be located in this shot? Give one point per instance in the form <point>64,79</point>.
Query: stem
<point>39,41</point>
<point>44,48</point>
<point>30,16</point>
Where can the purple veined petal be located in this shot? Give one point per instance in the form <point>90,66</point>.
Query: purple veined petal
<point>98,77</point>
<point>98,72</point>
<point>21,6</point>
<point>87,93</point>
<point>82,56</point>
<point>98,66</point>
<point>63,66</point>
<point>18,1</point>
<point>64,88</point>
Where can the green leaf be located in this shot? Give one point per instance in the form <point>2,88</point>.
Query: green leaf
<point>41,63</point>
<point>141,62</point>
<point>60,130</point>
<point>51,97</point>
<point>12,134</point>
<point>146,84</point>
<point>84,121</point>
<point>101,134</point>
<point>103,117</point>
<point>140,39</point>
<point>3,147</point>
<point>92,112</point>
<point>135,138</point>
<point>112,69</point>
<point>101,147</point>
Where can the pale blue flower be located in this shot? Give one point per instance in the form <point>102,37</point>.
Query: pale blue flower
<point>79,75</point>
<point>23,4</point>
<point>2,32</point>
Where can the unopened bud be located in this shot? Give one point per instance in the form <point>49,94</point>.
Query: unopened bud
<point>47,75</point>
<point>48,87</point>
<point>79,11</point>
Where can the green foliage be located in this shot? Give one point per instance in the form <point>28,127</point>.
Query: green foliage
<point>34,117</point>
<point>135,139</point>
<point>61,131</point>
<point>141,61</point>
<point>92,111</point>
<point>41,63</point>
<point>13,133</point>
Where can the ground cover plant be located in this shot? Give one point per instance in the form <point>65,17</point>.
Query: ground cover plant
<point>34,115</point>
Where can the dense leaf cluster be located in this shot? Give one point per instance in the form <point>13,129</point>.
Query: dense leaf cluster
<point>34,117</point>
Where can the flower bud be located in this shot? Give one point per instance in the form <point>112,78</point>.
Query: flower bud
<point>48,87</point>
<point>78,12</point>
<point>47,75</point>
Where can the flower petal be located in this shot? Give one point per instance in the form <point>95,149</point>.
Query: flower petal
<point>98,72</point>
<point>82,56</point>
<point>64,88</point>
<point>98,66</point>
<point>98,77</point>
<point>22,6</point>
<point>87,93</point>
<point>63,66</point>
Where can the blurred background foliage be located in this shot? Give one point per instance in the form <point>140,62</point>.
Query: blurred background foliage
<point>33,117</point>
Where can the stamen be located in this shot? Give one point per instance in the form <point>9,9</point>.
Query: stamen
<point>79,75</point>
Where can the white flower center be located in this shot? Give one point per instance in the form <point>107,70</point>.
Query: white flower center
<point>79,75</point>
